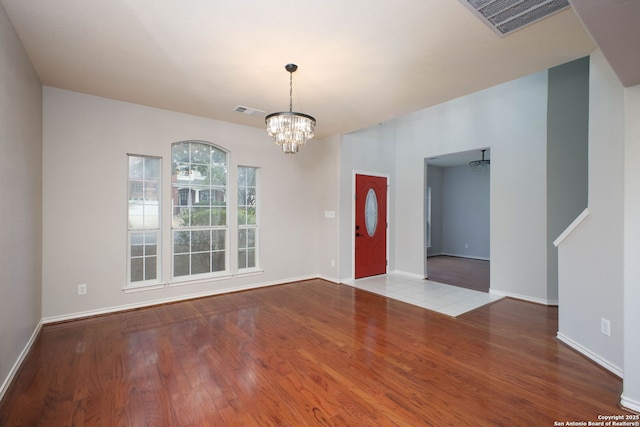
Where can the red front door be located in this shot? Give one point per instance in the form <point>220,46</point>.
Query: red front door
<point>371,226</point>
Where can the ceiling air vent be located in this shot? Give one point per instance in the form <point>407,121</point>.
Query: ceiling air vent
<point>248,111</point>
<point>507,16</point>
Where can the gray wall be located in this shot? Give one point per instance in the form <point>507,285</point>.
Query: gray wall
<point>567,155</point>
<point>21,199</point>
<point>460,214</point>
<point>465,212</point>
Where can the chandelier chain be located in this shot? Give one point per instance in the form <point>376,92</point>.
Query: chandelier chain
<point>290,91</point>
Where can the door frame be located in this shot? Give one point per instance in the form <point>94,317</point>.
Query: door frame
<point>353,216</point>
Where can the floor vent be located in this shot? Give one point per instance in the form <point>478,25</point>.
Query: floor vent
<point>507,16</point>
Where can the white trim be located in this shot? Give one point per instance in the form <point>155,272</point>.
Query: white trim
<point>629,404</point>
<point>329,279</point>
<point>576,222</point>
<point>591,355</point>
<point>246,272</point>
<point>131,290</point>
<point>462,256</point>
<point>23,354</point>
<point>125,307</point>
<point>523,297</point>
<point>204,278</point>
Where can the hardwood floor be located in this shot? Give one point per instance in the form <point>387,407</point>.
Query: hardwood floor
<point>463,272</point>
<point>308,353</point>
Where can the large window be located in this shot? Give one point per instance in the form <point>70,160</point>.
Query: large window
<point>247,217</point>
<point>143,220</point>
<point>199,209</point>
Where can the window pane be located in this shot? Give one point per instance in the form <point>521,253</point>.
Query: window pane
<point>181,265</point>
<point>136,167</point>
<point>218,175</point>
<point>251,196</point>
<point>151,216</point>
<point>251,177</point>
<point>251,238</point>
<point>137,244</point>
<point>218,157</point>
<point>200,241</point>
<point>200,153</point>
<point>151,169</point>
<point>242,238</point>
<point>200,217</point>
<point>136,268</point>
<point>242,196</point>
<point>242,216</point>
<point>150,244</point>
<point>181,242</point>
<point>242,177</point>
<point>251,258</point>
<point>251,216</point>
<point>150,268</point>
<point>219,216</point>
<point>218,240</point>
<point>151,191</point>
<point>219,261</point>
<point>182,217</point>
<point>180,152</point>
<point>201,263</point>
<point>242,259</point>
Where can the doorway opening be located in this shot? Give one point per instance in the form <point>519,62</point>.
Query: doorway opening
<point>457,220</point>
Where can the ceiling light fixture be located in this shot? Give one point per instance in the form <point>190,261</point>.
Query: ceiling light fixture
<point>480,164</point>
<point>288,128</point>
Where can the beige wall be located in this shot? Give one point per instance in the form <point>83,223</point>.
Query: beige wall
<point>20,199</point>
<point>86,140</point>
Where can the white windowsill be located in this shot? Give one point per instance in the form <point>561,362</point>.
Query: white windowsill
<point>132,289</point>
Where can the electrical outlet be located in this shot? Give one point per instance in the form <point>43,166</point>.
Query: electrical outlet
<point>605,326</point>
<point>333,263</point>
<point>82,289</point>
<point>466,246</point>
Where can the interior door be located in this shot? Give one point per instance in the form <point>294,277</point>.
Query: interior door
<point>370,226</point>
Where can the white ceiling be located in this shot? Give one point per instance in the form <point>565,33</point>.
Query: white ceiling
<point>361,61</point>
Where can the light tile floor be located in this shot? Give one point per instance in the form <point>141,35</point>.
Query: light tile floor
<point>446,299</point>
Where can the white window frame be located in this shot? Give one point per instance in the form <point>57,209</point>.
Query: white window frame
<point>142,227</point>
<point>242,225</point>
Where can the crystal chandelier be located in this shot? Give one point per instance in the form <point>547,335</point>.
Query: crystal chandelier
<point>290,129</point>
<point>480,164</point>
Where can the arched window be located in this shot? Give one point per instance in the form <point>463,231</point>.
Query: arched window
<point>199,209</point>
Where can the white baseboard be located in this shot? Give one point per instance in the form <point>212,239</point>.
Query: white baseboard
<point>630,404</point>
<point>329,279</point>
<point>23,354</point>
<point>464,256</point>
<point>591,355</point>
<point>528,298</point>
<point>125,307</point>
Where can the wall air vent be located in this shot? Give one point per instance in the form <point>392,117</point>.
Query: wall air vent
<point>249,111</point>
<point>507,16</point>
